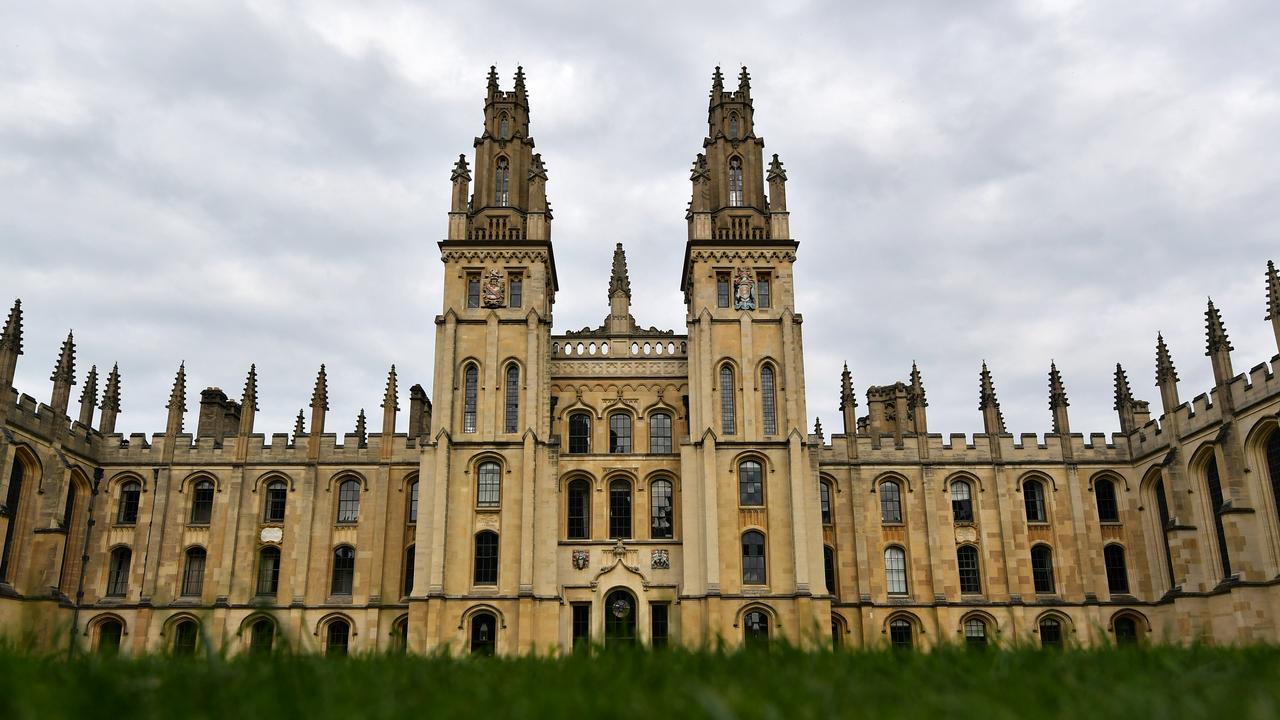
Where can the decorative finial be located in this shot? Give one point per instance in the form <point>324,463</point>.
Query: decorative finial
<point>249,401</point>
<point>776,171</point>
<point>1273,292</point>
<point>111,395</point>
<point>619,281</point>
<point>847,397</point>
<point>389,395</point>
<point>988,403</point>
<point>65,369</point>
<point>744,81</point>
<point>461,173</point>
<point>1057,393</point>
<point>320,396</point>
<point>89,394</point>
<point>1217,333</point>
<point>520,81</point>
<point>362,435</point>
<point>299,425</point>
<point>178,396</point>
<point>493,78</point>
<point>1124,395</point>
<point>915,394</point>
<point>11,337</point>
<point>1165,372</point>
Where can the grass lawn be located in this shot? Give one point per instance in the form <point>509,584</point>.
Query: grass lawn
<point>1199,682</point>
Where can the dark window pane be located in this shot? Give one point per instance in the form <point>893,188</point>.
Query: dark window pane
<point>109,634</point>
<point>337,637</point>
<point>728,412</point>
<point>619,433</point>
<point>1162,505</point>
<point>1216,500</point>
<point>722,290</point>
<point>1050,633</point>
<point>659,630</point>
<point>502,183</point>
<point>413,502</point>
<point>1273,467</point>
<point>193,575</point>
<point>130,494</point>
<point>489,485</point>
<point>975,633</point>
<point>262,637</point>
<point>750,483</point>
<point>768,401</point>
<point>755,625</point>
<point>735,182</point>
<point>824,499</point>
<point>1042,568</point>
<point>484,634</point>
<point>512,420</point>
<point>579,433</point>
<point>581,625</point>
<point>486,561</point>
<point>579,520</point>
<point>516,296</point>
<point>202,503</point>
<point>277,496</point>
<point>473,290</point>
<point>185,636</point>
<point>970,577</point>
<point>619,509</point>
<point>1126,630</point>
<point>471,379</point>
<point>829,568</point>
<point>13,501</point>
<point>1117,571</point>
<point>1105,493</point>
<point>660,433</point>
<point>268,571</point>
<point>661,507</point>
<point>344,571</point>
<point>118,572</point>
<point>1033,496</point>
<point>409,554</point>
<point>890,502</point>
<point>961,501</point>
<point>764,295</point>
<point>753,561</point>
<point>901,634</point>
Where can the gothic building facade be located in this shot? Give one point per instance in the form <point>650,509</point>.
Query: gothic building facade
<point>624,485</point>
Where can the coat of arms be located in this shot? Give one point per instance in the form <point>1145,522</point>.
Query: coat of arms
<point>495,289</point>
<point>580,559</point>
<point>744,286</point>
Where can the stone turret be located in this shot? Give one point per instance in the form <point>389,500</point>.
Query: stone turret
<point>110,402</point>
<point>63,377</point>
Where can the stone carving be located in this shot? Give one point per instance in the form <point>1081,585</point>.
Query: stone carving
<point>613,368</point>
<point>271,534</point>
<point>495,289</point>
<point>580,559</point>
<point>744,290</point>
<point>660,560</point>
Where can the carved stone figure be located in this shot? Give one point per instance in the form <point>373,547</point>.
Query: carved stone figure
<point>580,559</point>
<point>495,289</point>
<point>744,290</point>
<point>660,560</point>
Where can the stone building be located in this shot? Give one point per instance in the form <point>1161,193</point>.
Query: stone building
<point>624,485</point>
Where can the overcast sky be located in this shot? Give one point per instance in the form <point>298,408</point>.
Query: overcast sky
<point>229,183</point>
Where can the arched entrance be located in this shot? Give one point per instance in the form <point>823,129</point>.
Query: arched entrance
<point>484,634</point>
<point>620,619</point>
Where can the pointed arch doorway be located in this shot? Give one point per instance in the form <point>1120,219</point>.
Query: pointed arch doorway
<point>620,619</point>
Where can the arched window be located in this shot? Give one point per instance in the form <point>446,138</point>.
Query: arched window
<point>268,571</point>
<point>277,496</point>
<point>750,483</point>
<point>975,633</point>
<point>409,554</point>
<point>768,401</point>
<point>901,634</point>
<point>890,502</point>
<point>660,433</point>
<point>193,574</point>
<point>118,572</point>
<point>400,634</point>
<point>733,126</point>
<point>109,634</point>
<point>470,380</point>
<point>484,634</point>
<point>824,501</point>
<point>578,522</point>
<point>837,632</point>
<point>504,127</point>
<point>961,501</point>
<point>130,495</point>
<point>970,576</point>
<point>753,563</point>
<point>412,514</point>
<point>728,401</point>
<point>1042,568</point>
<point>1216,501</point>
<point>1117,571</point>
<point>619,509</point>
<point>1273,466</point>
<point>486,558</point>
<point>202,502</point>
<point>186,635</point>
<point>829,568</point>
<point>735,183</point>
<point>1033,496</point>
<point>1162,507</point>
<point>502,183</point>
<point>755,625</point>
<point>580,433</point>
<point>337,637</point>
<point>895,570</point>
<point>620,433</point>
<point>1050,632</point>
<point>1126,628</point>
<point>489,484</point>
<point>349,501</point>
<point>262,636</point>
<point>1104,492</point>
<point>13,501</point>
<point>344,570</point>
<point>512,420</point>
<point>661,510</point>
<point>68,509</point>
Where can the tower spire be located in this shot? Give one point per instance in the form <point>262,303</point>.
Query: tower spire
<point>89,397</point>
<point>110,402</point>
<point>1058,401</point>
<point>717,85</point>
<point>64,376</point>
<point>620,321</point>
<point>992,418</point>
<point>520,91</point>
<point>619,282</point>
<point>744,82</point>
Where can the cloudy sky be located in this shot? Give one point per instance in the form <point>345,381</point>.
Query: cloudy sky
<point>231,182</point>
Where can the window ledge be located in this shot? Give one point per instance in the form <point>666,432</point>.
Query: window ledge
<point>1112,523</point>
<point>1038,523</point>
<point>339,600</point>
<point>198,524</point>
<point>488,508</point>
<point>965,523</point>
<point>892,524</point>
<point>124,525</point>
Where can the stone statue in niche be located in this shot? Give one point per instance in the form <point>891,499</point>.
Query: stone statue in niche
<point>495,289</point>
<point>580,559</point>
<point>744,290</point>
<point>660,560</point>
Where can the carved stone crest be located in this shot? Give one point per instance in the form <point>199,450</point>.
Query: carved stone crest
<point>744,290</point>
<point>495,289</point>
<point>271,534</point>
<point>660,560</point>
<point>580,559</point>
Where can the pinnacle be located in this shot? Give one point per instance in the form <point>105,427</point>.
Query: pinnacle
<point>1215,330</point>
<point>1124,395</point>
<point>89,393</point>
<point>1273,292</point>
<point>11,337</point>
<point>460,170</point>
<point>847,397</point>
<point>65,369</point>
<point>320,396</point>
<point>390,399</point>
<point>619,280</point>
<point>111,395</point>
<point>1164,362</point>
<point>178,397</point>
<point>250,398</point>
<point>1057,392</point>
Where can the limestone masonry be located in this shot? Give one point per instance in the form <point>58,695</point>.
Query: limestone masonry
<point>624,485</point>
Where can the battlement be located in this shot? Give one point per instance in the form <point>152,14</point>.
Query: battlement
<point>958,448</point>
<point>194,450</point>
